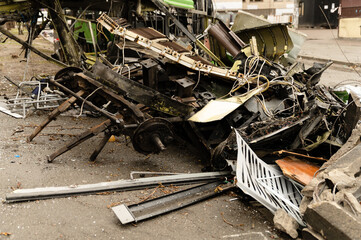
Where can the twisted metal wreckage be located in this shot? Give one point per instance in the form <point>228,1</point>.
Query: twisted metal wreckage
<point>162,73</point>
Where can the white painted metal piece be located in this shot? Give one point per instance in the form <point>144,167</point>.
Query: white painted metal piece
<point>266,183</point>
<point>123,214</point>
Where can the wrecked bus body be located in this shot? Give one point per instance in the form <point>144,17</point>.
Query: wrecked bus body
<point>235,97</point>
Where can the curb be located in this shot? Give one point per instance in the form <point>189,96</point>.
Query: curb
<point>349,64</point>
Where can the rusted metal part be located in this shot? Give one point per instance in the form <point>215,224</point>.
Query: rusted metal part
<point>140,93</point>
<point>150,73</point>
<point>100,147</point>
<point>186,32</point>
<point>185,59</point>
<point>111,96</point>
<point>90,104</point>
<point>282,152</point>
<point>52,116</point>
<point>298,170</point>
<point>81,138</point>
<point>228,39</point>
<point>149,33</point>
<point>152,135</point>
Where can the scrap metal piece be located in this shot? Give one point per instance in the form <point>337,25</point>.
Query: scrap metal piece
<point>34,97</point>
<point>273,40</point>
<point>4,109</point>
<point>228,39</point>
<point>168,203</point>
<point>52,116</point>
<point>219,108</point>
<point>184,87</point>
<point>139,92</point>
<point>300,155</point>
<point>188,59</point>
<point>265,183</point>
<point>20,195</point>
<point>81,138</point>
<point>100,147</point>
<point>150,73</point>
<point>152,135</point>
<point>298,170</point>
<point>120,122</point>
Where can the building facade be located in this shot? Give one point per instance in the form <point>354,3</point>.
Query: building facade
<point>273,10</point>
<point>350,19</point>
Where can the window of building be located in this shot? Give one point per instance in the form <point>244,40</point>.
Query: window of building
<point>256,0</point>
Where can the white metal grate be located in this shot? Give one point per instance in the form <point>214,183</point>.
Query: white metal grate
<point>266,183</point>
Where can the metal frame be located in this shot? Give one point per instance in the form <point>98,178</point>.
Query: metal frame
<point>21,104</point>
<point>181,58</point>
<point>266,183</point>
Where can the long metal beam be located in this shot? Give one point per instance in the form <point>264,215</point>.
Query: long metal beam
<point>20,195</point>
<point>168,203</point>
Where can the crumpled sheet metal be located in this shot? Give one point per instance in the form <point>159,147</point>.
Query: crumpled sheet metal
<point>265,183</point>
<point>220,108</point>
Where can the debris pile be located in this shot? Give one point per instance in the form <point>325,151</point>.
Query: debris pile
<point>235,97</point>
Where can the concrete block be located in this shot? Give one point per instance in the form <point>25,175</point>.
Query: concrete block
<point>285,223</point>
<point>332,221</point>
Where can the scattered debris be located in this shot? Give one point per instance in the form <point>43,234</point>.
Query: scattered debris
<point>5,233</point>
<point>229,223</point>
<point>236,96</point>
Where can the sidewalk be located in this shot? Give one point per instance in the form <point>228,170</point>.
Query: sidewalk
<point>321,45</point>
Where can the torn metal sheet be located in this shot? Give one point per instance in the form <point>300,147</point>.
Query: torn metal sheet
<point>245,20</point>
<point>165,204</point>
<point>20,195</point>
<point>298,170</point>
<point>265,183</point>
<point>218,109</point>
<point>273,40</point>
<point>4,109</point>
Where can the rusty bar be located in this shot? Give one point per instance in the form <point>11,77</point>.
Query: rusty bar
<point>101,111</point>
<point>80,138</point>
<point>52,116</point>
<point>100,147</point>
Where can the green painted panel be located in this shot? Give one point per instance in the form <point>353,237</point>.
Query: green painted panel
<point>189,4</point>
